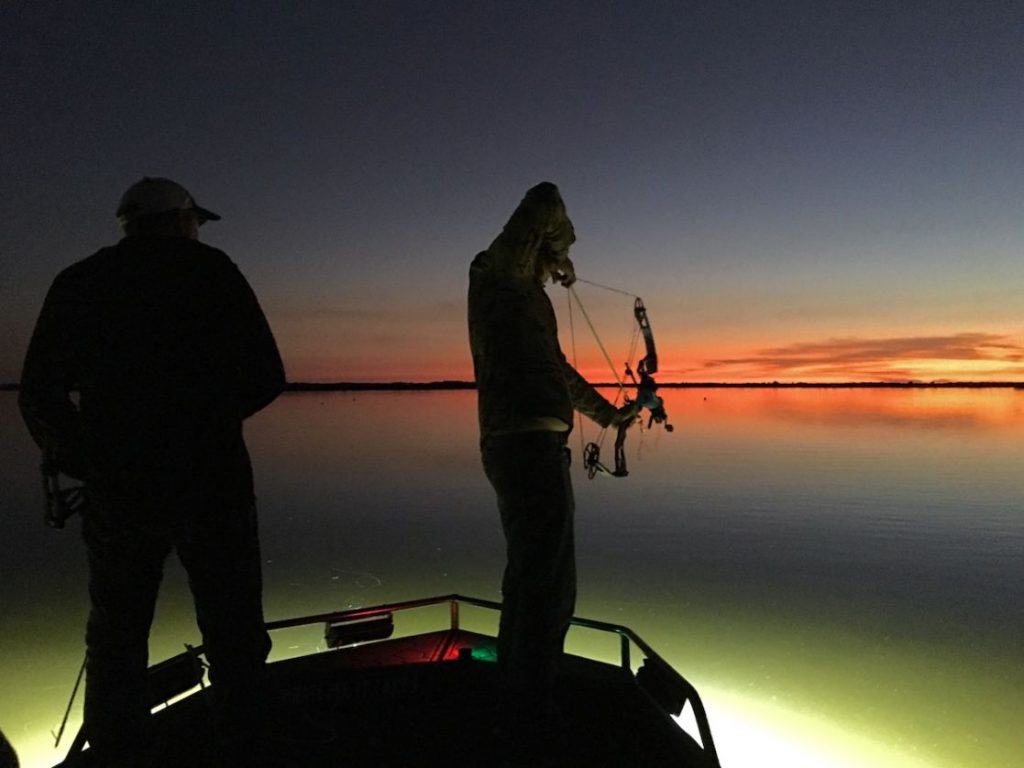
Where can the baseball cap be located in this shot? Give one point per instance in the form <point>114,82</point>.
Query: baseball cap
<point>156,195</point>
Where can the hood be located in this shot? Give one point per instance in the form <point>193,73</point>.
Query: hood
<point>538,228</point>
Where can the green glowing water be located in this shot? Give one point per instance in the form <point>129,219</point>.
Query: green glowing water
<point>838,572</point>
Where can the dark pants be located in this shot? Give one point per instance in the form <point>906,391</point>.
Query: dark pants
<point>530,473</point>
<point>219,549</point>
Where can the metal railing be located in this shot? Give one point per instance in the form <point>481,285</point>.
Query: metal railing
<point>626,636</point>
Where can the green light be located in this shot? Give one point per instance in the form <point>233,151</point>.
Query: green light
<point>484,654</point>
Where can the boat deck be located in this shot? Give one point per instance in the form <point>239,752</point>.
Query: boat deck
<point>429,700</point>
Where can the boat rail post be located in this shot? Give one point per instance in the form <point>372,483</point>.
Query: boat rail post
<point>624,650</point>
<point>454,605</point>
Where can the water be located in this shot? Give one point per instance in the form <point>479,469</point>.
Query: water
<point>838,572</point>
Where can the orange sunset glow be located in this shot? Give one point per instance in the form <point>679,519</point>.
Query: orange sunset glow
<point>709,326</point>
<point>435,351</point>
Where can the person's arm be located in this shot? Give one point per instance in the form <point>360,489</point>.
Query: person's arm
<point>588,400</point>
<point>47,380</point>
<point>260,372</point>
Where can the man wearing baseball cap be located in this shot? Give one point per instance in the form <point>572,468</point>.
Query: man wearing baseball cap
<point>168,349</point>
<point>151,197</point>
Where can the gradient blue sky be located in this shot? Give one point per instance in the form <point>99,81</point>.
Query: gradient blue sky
<point>802,190</point>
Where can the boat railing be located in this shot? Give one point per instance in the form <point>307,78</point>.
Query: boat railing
<point>669,688</point>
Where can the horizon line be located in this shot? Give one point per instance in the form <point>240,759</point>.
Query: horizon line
<point>304,386</point>
<point>457,384</point>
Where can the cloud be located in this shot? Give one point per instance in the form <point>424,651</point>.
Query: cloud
<point>881,359</point>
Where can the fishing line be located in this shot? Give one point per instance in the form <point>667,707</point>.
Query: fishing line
<point>607,288</point>
<point>593,330</point>
<point>575,364</point>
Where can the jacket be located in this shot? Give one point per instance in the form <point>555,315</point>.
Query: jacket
<point>521,372</point>
<point>168,350</point>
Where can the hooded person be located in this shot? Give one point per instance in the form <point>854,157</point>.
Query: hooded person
<point>527,393</point>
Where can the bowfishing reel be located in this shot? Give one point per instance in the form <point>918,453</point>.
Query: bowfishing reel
<point>593,464</point>
<point>61,503</point>
<point>647,396</point>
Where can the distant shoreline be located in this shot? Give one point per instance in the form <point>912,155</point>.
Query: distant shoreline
<point>341,386</point>
<point>426,386</point>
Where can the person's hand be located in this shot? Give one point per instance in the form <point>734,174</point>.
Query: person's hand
<point>564,274</point>
<point>626,414</point>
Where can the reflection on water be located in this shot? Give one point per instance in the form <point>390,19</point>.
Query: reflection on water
<point>838,571</point>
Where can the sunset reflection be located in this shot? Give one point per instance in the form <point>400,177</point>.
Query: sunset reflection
<point>1000,410</point>
<point>836,570</point>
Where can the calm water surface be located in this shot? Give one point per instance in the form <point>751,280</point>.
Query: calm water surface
<point>839,572</point>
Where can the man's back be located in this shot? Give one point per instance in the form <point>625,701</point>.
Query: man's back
<point>168,350</point>
<point>167,346</point>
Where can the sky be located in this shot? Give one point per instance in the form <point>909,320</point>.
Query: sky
<point>800,191</point>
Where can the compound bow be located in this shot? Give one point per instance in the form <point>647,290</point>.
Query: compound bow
<point>642,379</point>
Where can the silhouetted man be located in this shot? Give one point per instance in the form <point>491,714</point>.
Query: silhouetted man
<point>8,757</point>
<point>169,352</point>
<point>527,392</point>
